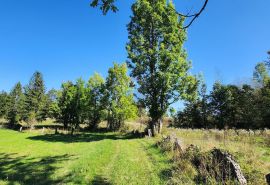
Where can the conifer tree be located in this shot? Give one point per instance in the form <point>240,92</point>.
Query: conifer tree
<point>15,105</point>
<point>35,98</point>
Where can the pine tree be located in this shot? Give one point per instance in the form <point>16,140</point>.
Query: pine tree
<point>35,98</point>
<point>157,58</point>
<point>4,98</point>
<point>15,105</point>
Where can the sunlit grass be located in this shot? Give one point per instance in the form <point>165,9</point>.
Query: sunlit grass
<point>89,158</point>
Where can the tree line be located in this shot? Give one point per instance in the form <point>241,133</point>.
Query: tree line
<point>160,74</point>
<point>76,103</point>
<point>231,106</point>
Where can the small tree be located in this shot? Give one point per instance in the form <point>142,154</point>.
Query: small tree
<point>157,58</point>
<point>71,103</point>
<point>119,96</point>
<point>15,105</point>
<point>261,74</point>
<point>66,104</point>
<point>95,97</point>
<point>79,103</point>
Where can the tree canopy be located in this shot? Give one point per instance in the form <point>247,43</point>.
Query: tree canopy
<point>157,59</point>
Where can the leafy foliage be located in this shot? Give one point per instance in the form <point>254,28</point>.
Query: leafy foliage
<point>231,106</point>
<point>105,5</point>
<point>119,97</point>
<point>95,100</point>
<point>157,58</point>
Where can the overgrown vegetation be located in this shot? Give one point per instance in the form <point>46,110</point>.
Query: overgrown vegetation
<point>250,150</point>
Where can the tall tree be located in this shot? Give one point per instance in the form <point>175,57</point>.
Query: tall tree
<point>119,95</point>
<point>95,100</point>
<point>3,104</point>
<point>15,105</point>
<point>107,5</point>
<point>157,58</point>
<point>35,98</point>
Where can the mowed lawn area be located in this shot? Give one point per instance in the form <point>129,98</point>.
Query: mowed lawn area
<point>87,158</point>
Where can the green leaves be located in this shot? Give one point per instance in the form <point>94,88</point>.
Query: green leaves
<point>119,95</point>
<point>95,100</point>
<point>157,58</point>
<point>104,5</point>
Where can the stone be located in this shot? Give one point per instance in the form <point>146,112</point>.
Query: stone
<point>149,133</point>
<point>178,146</point>
<point>267,177</point>
<point>227,161</point>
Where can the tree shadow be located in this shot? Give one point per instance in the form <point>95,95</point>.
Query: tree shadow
<point>84,137</point>
<point>26,170</point>
<point>99,180</point>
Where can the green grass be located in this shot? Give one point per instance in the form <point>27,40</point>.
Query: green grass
<point>90,158</point>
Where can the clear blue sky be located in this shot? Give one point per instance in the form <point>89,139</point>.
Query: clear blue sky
<point>68,39</point>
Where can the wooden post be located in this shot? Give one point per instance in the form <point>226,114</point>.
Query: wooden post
<point>21,129</point>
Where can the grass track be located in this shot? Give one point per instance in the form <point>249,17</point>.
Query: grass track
<point>91,158</point>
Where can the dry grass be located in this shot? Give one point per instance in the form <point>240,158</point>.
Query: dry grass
<point>251,149</point>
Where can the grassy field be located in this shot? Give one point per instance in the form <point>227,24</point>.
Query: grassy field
<point>114,158</point>
<point>90,158</point>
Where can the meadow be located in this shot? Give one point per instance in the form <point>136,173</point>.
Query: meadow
<point>38,157</point>
<point>86,158</point>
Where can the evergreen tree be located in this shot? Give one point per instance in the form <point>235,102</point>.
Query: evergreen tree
<point>157,58</point>
<point>119,97</point>
<point>95,100</point>
<point>35,98</point>
<point>15,105</point>
<point>4,98</point>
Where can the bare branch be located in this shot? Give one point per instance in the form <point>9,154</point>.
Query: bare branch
<point>194,16</point>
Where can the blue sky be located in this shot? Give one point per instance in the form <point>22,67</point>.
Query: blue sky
<point>68,39</point>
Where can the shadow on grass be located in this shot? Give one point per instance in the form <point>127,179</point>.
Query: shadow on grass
<point>84,137</point>
<point>99,180</point>
<point>25,170</point>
